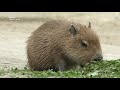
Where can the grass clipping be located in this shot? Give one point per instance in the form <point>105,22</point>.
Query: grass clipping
<point>100,69</point>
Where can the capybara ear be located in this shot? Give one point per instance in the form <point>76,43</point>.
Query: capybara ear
<point>89,26</point>
<point>73,30</point>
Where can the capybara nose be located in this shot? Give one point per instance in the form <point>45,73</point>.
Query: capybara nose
<point>98,58</point>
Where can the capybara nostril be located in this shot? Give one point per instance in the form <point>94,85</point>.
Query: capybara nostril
<point>98,58</point>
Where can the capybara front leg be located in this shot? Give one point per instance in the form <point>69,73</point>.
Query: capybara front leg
<point>62,65</point>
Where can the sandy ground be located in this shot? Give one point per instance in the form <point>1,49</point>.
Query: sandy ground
<point>13,34</point>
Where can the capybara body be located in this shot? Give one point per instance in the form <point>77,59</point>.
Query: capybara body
<point>62,45</point>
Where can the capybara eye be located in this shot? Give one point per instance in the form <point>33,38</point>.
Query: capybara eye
<point>84,43</point>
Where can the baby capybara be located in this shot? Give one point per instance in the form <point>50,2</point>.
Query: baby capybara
<point>61,45</point>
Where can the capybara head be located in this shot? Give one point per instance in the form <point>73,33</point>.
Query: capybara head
<point>83,45</point>
<point>61,45</point>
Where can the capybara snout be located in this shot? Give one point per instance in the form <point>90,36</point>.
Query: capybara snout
<point>98,57</point>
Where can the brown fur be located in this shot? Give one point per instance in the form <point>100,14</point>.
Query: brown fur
<point>52,46</point>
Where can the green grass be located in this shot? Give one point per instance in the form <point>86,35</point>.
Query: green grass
<point>101,69</point>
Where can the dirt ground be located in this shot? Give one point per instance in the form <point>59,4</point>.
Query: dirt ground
<point>14,32</point>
